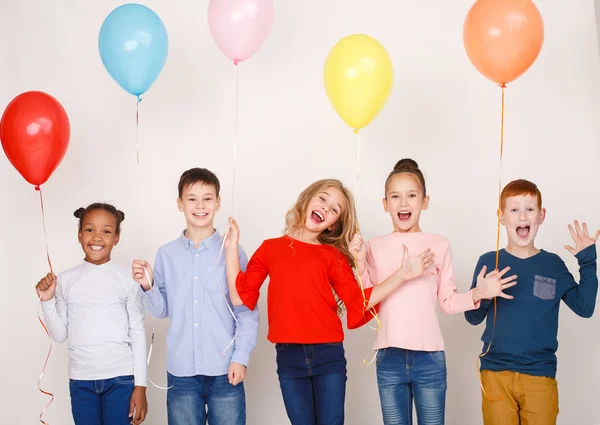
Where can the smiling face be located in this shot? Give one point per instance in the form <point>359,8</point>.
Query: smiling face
<point>404,202</point>
<point>324,210</point>
<point>522,218</point>
<point>199,203</point>
<point>98,235</point>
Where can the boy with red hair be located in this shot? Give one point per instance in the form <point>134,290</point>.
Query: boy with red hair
<point>518,373</point>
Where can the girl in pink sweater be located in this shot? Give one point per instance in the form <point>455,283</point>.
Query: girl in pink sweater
<point>411,364</point>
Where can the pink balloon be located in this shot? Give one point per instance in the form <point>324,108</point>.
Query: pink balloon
<point>240,27</point>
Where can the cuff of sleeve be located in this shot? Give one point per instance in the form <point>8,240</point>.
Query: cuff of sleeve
<point>470,304</point>
<point>587,255</point>
<point>250,299</point>
<point>241,356</point>
<point>140,381</point>
<point>49,305</point>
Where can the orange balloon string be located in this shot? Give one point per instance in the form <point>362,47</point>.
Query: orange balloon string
<point>37,187</point>
<point>503,86</point>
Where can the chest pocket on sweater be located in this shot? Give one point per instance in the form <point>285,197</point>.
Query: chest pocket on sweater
<point>544,287</point>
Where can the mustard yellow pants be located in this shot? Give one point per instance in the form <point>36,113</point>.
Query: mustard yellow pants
<point>524,399</point>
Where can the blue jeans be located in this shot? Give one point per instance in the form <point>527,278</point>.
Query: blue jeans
<point>312,378</point>
<point>194,399</point>
<point>102,402</point>
<point>404,375</point>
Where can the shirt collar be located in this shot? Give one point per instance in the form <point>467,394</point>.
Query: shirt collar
<point>94,267</point>
<point>206,243</point>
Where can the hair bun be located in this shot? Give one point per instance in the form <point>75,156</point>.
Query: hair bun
<point>79,212</point>
<point>121,214</point>
<point>406,164</point>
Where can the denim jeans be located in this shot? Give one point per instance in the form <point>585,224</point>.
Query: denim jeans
<point>102,402</point>
<point>194,399</point>
<point>404,376</point>
<point>312,378</point>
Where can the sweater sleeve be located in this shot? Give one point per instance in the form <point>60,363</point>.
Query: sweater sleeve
<point>450,301</point>
<point>248,283</point>
<point>55,314</point>
<point>368,275</point>
<point>137,332</point>
<point>478,315</point>
<point>582,298</point>
<point>345,286</point>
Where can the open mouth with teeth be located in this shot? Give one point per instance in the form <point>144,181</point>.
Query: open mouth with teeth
<point>523,231</point>
<point>317,217</point>
<point>96,248</point>
<point>200,215</point>
<point>404,215</point>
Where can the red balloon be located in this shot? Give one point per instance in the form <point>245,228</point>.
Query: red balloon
<point>35,133</point>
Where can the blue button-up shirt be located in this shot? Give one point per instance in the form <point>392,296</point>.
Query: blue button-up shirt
<point>186,289</point>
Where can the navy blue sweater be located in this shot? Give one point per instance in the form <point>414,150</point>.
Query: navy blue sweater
<point>525,338</point>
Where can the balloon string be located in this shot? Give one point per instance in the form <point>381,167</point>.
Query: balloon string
<point>151,282</point>
<point>372,310</point>
<point>235,138</point>
<point>37,187</point>
<point>137,153</point>
<point>503,86</point>
<point>49,394</point>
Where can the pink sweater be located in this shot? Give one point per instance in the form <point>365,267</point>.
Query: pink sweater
<point>408,315</point>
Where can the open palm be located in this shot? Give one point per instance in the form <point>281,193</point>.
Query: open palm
<point>414,267</point>
<point>581,237</point>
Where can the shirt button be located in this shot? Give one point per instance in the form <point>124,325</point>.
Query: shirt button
<point>198,347</point>
<point>195,301</point>
<point>196,277</point>
<point>195,324</point>
<point>197,255</point>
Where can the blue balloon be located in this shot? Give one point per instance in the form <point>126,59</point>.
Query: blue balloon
<point>133,46</point>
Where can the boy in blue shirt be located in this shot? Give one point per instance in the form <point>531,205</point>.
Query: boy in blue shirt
<point>205,371</point>
<point>518,373</point>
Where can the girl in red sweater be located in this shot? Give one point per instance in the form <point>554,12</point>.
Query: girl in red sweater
<point>306,267</point>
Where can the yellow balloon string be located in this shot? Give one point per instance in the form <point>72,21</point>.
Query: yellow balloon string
<point>503,86</point>
<point>362,289</point>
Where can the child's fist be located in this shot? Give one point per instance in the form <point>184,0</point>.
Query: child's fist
<point>46,287</point>
<point>142,273</point>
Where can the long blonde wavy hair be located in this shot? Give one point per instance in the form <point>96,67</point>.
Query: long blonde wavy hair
<point>344,228</point>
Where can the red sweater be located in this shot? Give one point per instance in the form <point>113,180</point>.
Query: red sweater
<point>301,305</point>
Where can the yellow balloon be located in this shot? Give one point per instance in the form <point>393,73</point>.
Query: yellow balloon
<point>358,78</point>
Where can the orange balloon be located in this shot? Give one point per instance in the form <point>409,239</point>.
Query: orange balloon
<point>503,37</point>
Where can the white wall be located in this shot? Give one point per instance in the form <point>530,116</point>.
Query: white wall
<point>441,112</point>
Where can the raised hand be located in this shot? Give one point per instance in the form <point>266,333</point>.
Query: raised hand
<point>493,285</point>
<point>233,234</point>
<point>46,287</point>
<point>139,268</point>
<point>358,248</point>
<point>581,237</point>
<point>414,267</point>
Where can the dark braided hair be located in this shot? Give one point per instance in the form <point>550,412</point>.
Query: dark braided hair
<point>409,166</point>
<point>119,215</point>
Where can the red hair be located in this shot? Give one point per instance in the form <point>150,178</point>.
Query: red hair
<point>518,188</point>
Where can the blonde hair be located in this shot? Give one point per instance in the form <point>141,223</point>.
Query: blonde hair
<point>344,228</point>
